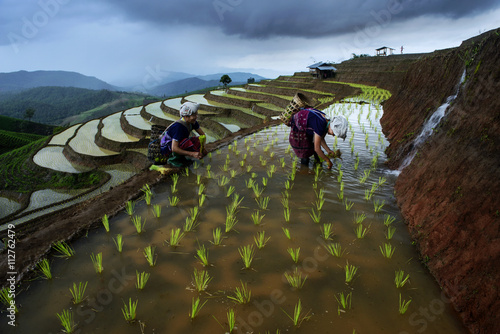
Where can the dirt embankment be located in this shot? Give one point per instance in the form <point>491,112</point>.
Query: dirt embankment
<point>449,195</point>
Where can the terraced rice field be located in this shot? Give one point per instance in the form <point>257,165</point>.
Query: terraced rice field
<point>52,157</point>
<point>62,138</point>
<point>84,141</point>
<point>134,118</point>
<point>112,129</point>
<point>155,110</point>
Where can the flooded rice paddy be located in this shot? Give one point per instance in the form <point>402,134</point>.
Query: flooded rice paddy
<point>308,214</point>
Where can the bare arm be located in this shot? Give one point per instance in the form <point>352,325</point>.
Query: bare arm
<point>178,150</point>
<point>200,131</point>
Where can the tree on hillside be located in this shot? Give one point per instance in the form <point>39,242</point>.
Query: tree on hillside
<point>29,113</point>
<point>250,80</point>
<point>225,80</point>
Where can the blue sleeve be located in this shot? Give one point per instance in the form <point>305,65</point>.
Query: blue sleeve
<point>178,132</point>
<point>317,123</point>
<point>196,125</point>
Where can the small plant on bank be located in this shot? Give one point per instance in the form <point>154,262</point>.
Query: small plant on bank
<point>78,292</point>
<point>400,279</point>
<point>149,254</point>
<point>118,242</point>
<point>130,312</point>
<point>97,262</point>
<point>247,253</point>
<point>64,249</point>
<point>261,240</point>
<point>201,280</point>
<point>241,295</point>
<point>295,279</point>
<point>141,279</point>
<point>67,321</point>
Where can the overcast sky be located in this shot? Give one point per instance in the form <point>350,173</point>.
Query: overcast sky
<point>127,42</point>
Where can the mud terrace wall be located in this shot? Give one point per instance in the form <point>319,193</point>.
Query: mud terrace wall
<point>449,194</point>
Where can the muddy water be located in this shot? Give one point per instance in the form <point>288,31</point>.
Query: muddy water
<point>165,302</point>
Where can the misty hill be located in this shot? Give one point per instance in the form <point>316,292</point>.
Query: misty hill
<point>200,82</point>
<point>19,125</point>
<point>21,80</point>
<point>57,105</point>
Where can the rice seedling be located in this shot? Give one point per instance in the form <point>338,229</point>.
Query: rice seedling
<point>201,200</point>
<point>148,194</point>
<point>157,210</point>
<point>235,204</point>
<point>201,189</point>
<point>149,254</point>
<point>390,232</point>
<point>97,262</point>
<point>315,215</point>
<point>241,295</point>
<point>223,180</point>
<point>250,183</point>
<point>340,195</point>
<point>44,268</point>
<point>176,236</point>
<point>138,224</point>
<point>288,185</point>
<point>368,194</point>
<point>344,302</point>
<point>387,250</point>
<point>294,253</point>
<point>374,188</point>
<point>105,222</point>
<point>129,207</point>
<point>360,231</point>
<point>286,214</point>
<point>286,231</point>
<point>339,177</point>
<point>256,217</point>
<point>130,311</point>
<point>326,231</point>
<point>263,202</point>
<point>201,280</point>
<point>230,191</point>
<point>231,221</point>
<point>264,181</point>
<point>389,220</point>
<point>189,225</point>
<point>173,200</point>
<point>342,186</point>
<point>261,240</point>
<point>217,235</point>
<point>359,218</point>
<point>335,249</point>
<point>175,179</point>
<point>196,307</point>
<point>263,162</point>
<point>249,168</point>
<point>141,279</point>
<point>256,190</point>
<point>196,165</point>
<point>202,255</point>
<point>247,253</point>
<point>366,173</point>
<point>319,203</point>
<point>186,171</point>
<point>378,205</point>
<point>231,320</point>
<point>348,205</point>
<point>400,279</point>
<point>350,272</point>
<point>403,305</point>
<point>295,279</point>
<point>67,321</point>
<point>7,298</point>
<point>242,163</point>
<point>118,242</point>
<point>271,170</point>
<point>381,180</point>
<point>356,164</point>
<point>198,179</point>
<point>297,317</point>
<point>78,292</point>
<point>64,249</point>
<point>233,173</point>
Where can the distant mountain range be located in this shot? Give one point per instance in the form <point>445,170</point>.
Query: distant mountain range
<point>169,83</point>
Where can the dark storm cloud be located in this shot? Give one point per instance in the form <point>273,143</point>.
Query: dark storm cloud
<point>266,18</point>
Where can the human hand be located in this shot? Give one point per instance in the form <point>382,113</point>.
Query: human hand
<point>330,164</point>
<point>196,155</point>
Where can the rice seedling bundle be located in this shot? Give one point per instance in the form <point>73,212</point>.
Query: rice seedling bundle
<point>344,302</point>
<point>261,240</point>
<point>201,280</point>
<point>400,279</point>
<point>129,207</point>
<point>348,205</point>
<point>390,232</point>
<point>326,231</point>
<point>403,305</point>
<point>360,231</point>
<point>286,231</point>
<point>157,210</point>
<point>176,236</point>
<point>387,250</point>
<point>202,255</point>
<point>44,268</point>
<point>315,215</point>
<point>263,202</point>
<point>149,254</point>
<point>350,272</point>
<point>8,299</point>
<point>359,218</point>
<point>247,253</point>
<point>257,217</point>
<point>378,205</point>
<point>67,321</point>
<point>295,279</point>
<point>97,262</point>
<point>297,317</point>
<point>231,320</point>
<point>335,249</point>
<point>105,222</point>
<point>201,200</point>
<point>388,220</point>
<point>217,235</point>
<point>141,279</point>
<point>241,295</point>
<point>130,311</point>
<point>148,194</point>
<point>196,307</point>
<point>78,292</point>
<point>173,200</point>
<point>118,242</point>
<point>64,249</point>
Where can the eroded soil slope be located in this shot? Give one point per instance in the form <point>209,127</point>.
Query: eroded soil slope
<point>449,194</point>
